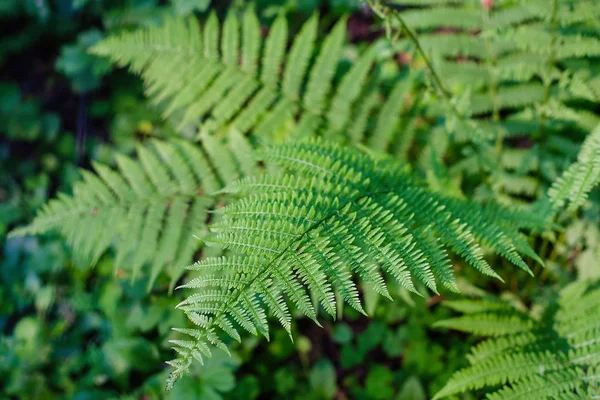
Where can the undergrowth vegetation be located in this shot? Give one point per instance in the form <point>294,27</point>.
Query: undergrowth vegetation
<point>357,189</point>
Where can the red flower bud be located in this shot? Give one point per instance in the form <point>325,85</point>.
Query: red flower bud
<point>487,4</point>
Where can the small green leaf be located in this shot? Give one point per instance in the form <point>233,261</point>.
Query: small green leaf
<point>323,378</point>
<point>412,390</point>
<point>342,333</point>
<point>379,383</point>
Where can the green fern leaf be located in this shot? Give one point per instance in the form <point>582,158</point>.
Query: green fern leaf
<point>555,356</point>
<point>209,77</point>
<point>150,209</point>
<point>336,219</point>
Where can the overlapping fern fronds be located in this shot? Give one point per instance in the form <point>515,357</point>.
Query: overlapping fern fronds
<point>336,219</point>
<point>150,209</point>
<point>556,355</point>
<point>227,76</point>
<point>517,72</point>
<point>575,184</point>
<point>513,53</point>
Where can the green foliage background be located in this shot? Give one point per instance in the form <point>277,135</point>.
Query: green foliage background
<point>71,332</point>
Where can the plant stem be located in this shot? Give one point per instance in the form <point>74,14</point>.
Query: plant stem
<point>548,78</point>
<point>490,63</point>
<point>383,11</point>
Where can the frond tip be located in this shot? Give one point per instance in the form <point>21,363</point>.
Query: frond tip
<point>555,357</point>
<point>581,177</point>
<point>336,218</point>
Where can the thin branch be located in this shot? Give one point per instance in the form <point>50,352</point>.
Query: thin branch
<point>549,66</point>
<point>384,11</point>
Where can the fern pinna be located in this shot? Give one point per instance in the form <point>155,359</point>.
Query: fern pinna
<point>553,354</point>
<point>151,210</point>
<point>226,76</point>
<point>334,217</point>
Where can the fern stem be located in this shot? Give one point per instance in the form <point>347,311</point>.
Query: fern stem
<point>383,10</point>
<point>548,78</point>
<point>490,62</point>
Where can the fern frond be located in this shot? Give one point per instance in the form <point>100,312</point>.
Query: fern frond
<point>581,177</point>
<point>150,209</point>
<point>209,76</point>
<point>336,219</point>
<point>557,356</point>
